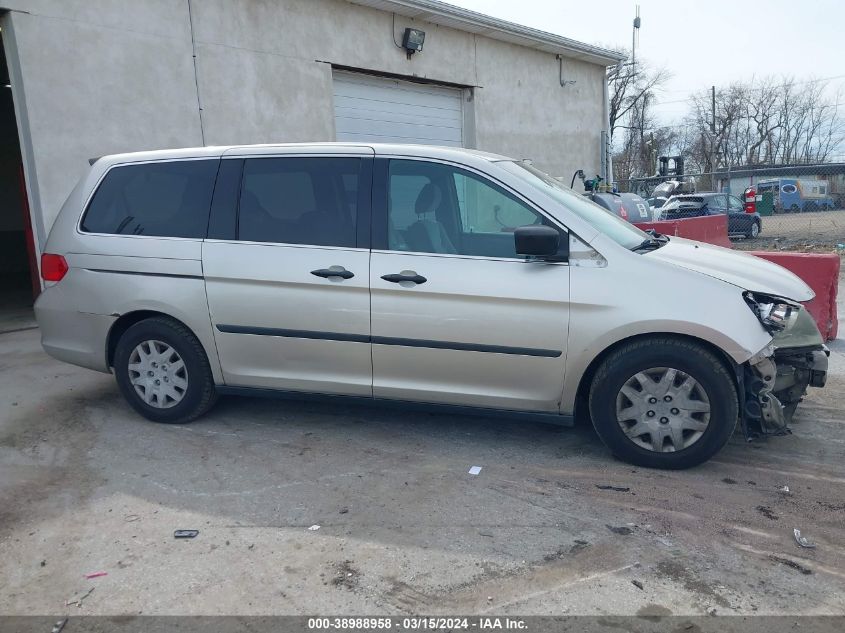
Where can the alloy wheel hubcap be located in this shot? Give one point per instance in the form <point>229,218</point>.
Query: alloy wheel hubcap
<point>662,409</point>
<point>158,374</point>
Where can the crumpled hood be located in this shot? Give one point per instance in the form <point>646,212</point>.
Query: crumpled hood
<point>737,268</point>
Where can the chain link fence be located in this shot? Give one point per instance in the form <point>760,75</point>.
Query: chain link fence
<point>795,208</point>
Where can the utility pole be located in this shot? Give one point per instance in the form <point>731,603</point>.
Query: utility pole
<point>634,37</point>
<point>713,140</point>
<point>713,109</point>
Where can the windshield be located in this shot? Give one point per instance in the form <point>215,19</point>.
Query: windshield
<point>613,226</point>
<point>663,190</point>
<point>674,203</point>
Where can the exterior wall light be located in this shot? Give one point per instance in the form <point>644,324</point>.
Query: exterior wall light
<point>412,41</point>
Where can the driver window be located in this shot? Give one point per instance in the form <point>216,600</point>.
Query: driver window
<point>437,208</point>
<point>736,204</point>
<point>485,209</point>
<point>718,203</point>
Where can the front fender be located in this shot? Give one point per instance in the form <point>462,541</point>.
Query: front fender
<point>608,306</point>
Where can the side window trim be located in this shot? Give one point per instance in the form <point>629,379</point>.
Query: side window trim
<point>379,222</point>
<point>364,213</point>
<point>223,219</point>
<point>380,196</point>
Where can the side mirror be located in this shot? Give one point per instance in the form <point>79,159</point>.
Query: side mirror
<point>542,242</point>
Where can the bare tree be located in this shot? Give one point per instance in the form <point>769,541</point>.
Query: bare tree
<point>765,121</point>
<point>769,121</point>
<point>632,93</point>
<point>629,85</point>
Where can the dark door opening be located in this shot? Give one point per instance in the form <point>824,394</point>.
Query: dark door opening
<point>19,284</point>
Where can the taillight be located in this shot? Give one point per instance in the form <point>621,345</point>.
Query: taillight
<point>53,267</point>
<point>623,212</point>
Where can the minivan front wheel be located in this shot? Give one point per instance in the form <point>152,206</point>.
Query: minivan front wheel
<point>663,403</point>
<point>163,372</point>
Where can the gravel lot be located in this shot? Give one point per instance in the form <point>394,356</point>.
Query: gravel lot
<point>819,231</point>
<point>821,224</point>
<point>551,525</point>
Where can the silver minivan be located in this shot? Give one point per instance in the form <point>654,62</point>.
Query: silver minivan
<point>443,277</point>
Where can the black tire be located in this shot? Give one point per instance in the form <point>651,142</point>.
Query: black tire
<point>200,394</point>
<point>750,235</point>
<point>685,356</point>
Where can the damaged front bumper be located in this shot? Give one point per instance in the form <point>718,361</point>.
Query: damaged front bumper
<point>774,381</point>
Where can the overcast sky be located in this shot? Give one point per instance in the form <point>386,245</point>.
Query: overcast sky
<point>702,43</point>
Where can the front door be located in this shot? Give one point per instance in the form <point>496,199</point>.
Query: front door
<point>738,220</point>
<point>457,316</point>
<point>288,282</point>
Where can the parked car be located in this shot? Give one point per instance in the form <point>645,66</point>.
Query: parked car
<point>439,276</point>
<point>628,206</point>
<point>674,187</point>
<point>740,222</point>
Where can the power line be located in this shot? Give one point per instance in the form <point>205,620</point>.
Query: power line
<point>794,82</point>
<point>659,104</point>
<point>767,87</point>
<point>692,124</point>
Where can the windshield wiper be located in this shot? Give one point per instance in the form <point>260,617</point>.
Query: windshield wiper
<point>654,241</point>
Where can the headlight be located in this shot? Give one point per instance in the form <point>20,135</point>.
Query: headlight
<point>776,314</point>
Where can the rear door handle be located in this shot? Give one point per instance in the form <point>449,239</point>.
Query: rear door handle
<point>334,271</point>
<point>395,278</point>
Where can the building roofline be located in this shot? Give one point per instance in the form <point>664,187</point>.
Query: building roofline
<point>462,19</point>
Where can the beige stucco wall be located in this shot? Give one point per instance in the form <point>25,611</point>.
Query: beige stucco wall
<point>98,76</point>
<point>89,80</point>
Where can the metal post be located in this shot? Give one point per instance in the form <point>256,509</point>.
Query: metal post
<point>636,29</point>
<point>713,140</point>
<point>604,158</point>
<point>713,109</point>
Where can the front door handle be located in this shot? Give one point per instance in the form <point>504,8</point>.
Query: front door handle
<point>334,271</point>
<point>395,278</point>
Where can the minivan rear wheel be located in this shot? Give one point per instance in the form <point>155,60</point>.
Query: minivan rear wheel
<point>663,403</point>
<point>163,371</point>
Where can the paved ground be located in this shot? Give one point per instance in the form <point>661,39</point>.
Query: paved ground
<point>88,486</point>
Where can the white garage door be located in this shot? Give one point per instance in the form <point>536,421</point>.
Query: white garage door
<point>379,110</point>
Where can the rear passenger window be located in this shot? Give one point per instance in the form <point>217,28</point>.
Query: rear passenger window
<point>169,199</point>
<point>299,201</point>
